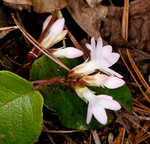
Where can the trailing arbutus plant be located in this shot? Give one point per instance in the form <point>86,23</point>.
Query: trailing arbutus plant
<point>83,93</point>
<point>78,83</point>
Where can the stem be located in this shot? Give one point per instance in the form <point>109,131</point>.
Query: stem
<point>38,45</point>
<point>44,83</point>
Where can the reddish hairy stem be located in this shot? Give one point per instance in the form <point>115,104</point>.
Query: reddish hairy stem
<point>51,81</point>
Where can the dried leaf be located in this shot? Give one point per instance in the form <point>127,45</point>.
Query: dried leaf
<point>87,18</point>
<point>24,2</point>
<point>44,6</point>
<point>19,4</point>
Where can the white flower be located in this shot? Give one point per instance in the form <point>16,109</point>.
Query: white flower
<point>55,33</point>
<point>103,80</point>
<point>69,52</point>
<point>97,104</point>
<point>102,58</point>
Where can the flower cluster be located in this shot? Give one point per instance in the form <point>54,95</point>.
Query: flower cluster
<point>56,34</point>
<point>101,58</point>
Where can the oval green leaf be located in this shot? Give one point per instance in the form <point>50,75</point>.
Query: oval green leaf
<point>71,109</point>
<point>20,110</point>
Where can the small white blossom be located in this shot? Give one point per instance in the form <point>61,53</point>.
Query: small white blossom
<point>103,80</point>
<point>102,58</point>
<point>55,32</point>
<point>69,52</point>
<point>97,104</point>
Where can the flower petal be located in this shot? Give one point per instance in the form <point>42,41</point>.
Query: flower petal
<point>57,27</point>
<point>89,113</point>
<point>47,20</point>
<point>99,42</point>
<point>93,44</point>
<point>110,72</point>
<point>55,30</point>
<point>99,113</point>
<point>108,103</point>
<point>58,38</point>
<point>98,52</point>
<point>99,97</point>
<point>69,52</point>
<point>50,41</point>
<point>85,68</point>
<point>109,59</point>
<point>95,80</point>
<point>114,82</point>
<point>84,93</point>
<point>107,49</point>
<point>88,46</point>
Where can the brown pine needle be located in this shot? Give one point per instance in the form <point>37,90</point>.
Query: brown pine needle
<point>132,75</point>
<point>125,35</point>
<point>140,105</point>
<point>120,137</point>
<point>125,19</point>
<point>143,134</point>
<point>8,28</point>
<point>145,84</point>
<point>63,131</point>
<point>38,45</point>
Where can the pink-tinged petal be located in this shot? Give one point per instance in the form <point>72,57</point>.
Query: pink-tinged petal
<point>47,20</point>
<point>99,42</point>
<point>88,46</point>
<point>55,30</point>
<point>110,72</point>
<point>95,80</point>
<point>93,44</point>
<point>98,52</point>
<point>99,97</point>
<point>85,68</point>
<point>69,52</point>
<point>114,58</point>
<point>57,27</point>
<point>109,59</point>
<point>59,37</point>
<point>114,82</point>
<point>109,103</point>
<point>49,41</point>
<point>89,113</point>
<point>107,49</point>
<point>100,114</point>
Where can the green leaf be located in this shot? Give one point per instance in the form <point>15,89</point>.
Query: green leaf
<point>122,95</point>
<point>20,110</point>
<point>46,68</point>
<point>71,109</point>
